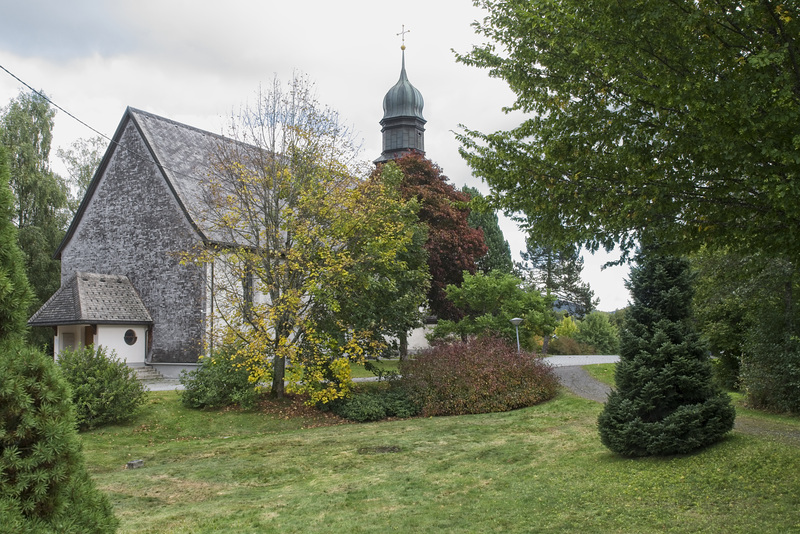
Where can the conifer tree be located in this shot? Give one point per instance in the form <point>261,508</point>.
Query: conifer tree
<point>665,401</point>
<point>15,293</point>
<point>481,216</point>
<point>557,272</point>
<point>44,485</point>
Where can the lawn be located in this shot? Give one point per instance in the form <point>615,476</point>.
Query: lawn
<point>540,469</point>
<point>358,371</point>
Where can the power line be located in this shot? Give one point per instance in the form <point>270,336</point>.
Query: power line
<point>134,153</point>
<point>101,134</point>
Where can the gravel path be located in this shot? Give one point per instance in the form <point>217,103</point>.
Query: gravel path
<point>577,380</point>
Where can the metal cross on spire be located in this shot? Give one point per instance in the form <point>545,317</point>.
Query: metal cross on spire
<point>402,34</point>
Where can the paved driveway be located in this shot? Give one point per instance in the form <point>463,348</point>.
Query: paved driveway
<point>568,361</point>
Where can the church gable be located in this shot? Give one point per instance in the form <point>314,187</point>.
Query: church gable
<point>133,223</point>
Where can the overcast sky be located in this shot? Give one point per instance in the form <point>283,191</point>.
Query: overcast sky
<point>196,61</point>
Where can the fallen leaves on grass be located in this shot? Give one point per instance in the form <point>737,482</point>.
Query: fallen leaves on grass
<point>294,406</point>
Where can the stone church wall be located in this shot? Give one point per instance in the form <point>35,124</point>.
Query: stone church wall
<point>134,226</point>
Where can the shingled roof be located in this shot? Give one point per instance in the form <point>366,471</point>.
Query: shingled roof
<point>183,155</point>
<point>91,298</point>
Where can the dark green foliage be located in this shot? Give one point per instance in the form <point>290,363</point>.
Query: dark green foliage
<point>480,376</point>
<point>15,293</point>
<point>40,210</point>
<point>746,309</point>
<point>104,389</point>
<point>374,404</point>
<point>482,217</point>
<point>222,379</point>
<point>44,485</point>
<point>727,297</point>
<point>770,372</point>
<point>665,401</point>
<point>557,272</point>
<point>596,330</point>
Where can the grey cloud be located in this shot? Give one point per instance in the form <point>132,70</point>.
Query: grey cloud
<point>63,30</point>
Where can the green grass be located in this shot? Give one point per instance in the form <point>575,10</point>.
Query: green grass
<point>603,372</point>
<point>358,371</point>
<point>541,469</point>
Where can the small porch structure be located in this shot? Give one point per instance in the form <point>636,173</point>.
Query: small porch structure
<point>98,309</point>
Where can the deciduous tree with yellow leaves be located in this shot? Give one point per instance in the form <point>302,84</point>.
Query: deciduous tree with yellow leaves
<point>312,258</point>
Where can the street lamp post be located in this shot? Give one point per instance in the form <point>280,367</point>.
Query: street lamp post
<point>516,322</point>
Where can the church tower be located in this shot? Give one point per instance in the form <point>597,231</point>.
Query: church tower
<point>403,126</point>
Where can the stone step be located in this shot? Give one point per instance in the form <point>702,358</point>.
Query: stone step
<point>148,374</point>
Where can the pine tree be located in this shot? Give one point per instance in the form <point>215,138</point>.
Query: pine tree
<point>665,401</point>
<point>15,293</point>
<point>482,217</point>
<point>557,272</point>
<point>44,484</point>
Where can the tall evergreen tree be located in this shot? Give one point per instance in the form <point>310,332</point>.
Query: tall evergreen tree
<point>15,293</point>
<point>665,401</point>
<point>44,485</point>
<point>482,217</point>
<point>557,272</point>
<point>40,210</point>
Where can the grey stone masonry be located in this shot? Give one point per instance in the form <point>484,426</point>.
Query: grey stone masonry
<point>133,223</point>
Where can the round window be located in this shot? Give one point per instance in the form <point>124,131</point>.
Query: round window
<point>130,337</point>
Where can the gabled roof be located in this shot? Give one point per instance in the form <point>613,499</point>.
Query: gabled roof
<point>91,298</point>
<point>182,153</point>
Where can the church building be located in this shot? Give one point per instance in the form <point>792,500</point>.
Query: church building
<point>123,284</point>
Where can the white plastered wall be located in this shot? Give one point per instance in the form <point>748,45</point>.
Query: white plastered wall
<point>112,337</point>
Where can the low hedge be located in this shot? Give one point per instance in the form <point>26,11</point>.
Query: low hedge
<point>478,376</point>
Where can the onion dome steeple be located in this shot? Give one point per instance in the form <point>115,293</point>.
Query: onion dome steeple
<point>403,125</point>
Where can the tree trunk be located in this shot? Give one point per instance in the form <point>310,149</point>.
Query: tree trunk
<point>545,344</point>
<point>403,346</point>
<point>278,372</point>
<point>788,302</point>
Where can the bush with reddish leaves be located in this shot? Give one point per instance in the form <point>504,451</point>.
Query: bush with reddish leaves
<point>479,376</point>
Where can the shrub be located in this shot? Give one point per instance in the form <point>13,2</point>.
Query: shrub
<point>479,376</point>
<point>44,485</point>
<point>597,331</point>
<point>567,345</point>
<point>771,374</point>
<point>566,328</point>
<point>374,404</point>
<point>222,379</point>
<point>104,389</point>
<point>361,407</point>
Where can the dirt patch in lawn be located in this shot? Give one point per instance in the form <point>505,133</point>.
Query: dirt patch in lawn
<point>294,406</point>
